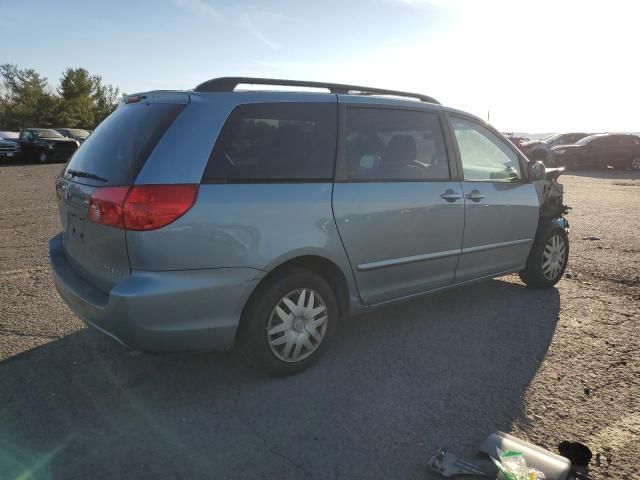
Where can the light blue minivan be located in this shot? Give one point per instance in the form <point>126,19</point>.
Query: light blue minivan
<point>196,220</point>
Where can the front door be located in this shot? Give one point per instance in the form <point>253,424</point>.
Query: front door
<point>26,144</point>
<point>399,213</point>
<point>599,152</point>
<point>501,210</point>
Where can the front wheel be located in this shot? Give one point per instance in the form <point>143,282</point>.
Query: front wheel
<point>43,157</point>
<point>635,164</point>
<point>548,257</point>
<point>288,323</point>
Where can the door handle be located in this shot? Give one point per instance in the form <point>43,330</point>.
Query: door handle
<point>450,195</point>
<point>475,195</point>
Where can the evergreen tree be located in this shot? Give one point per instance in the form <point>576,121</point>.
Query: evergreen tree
<point>81,99</point>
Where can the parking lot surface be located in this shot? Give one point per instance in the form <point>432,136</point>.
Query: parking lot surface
<point>560,364</point>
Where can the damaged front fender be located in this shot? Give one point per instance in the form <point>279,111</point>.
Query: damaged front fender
<point>551,196</point>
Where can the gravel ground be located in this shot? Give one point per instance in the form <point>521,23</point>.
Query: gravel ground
<point>400,382</point>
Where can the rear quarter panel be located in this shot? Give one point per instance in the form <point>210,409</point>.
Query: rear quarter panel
<point>245,225</point>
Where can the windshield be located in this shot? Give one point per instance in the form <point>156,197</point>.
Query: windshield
<point>586,140</point>
<point>9,135</point>
<point>45,133</point>
<point>78,132</point>
<point>551,138</point>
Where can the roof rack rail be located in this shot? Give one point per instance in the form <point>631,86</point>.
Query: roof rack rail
<point>228,84</point>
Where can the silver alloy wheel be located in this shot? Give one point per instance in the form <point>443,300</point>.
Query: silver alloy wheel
<point>297,325</point>
<point>553,257</point>
<point>43,157</point>
<point>635,163</point>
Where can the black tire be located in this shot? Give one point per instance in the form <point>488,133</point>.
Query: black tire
<point>534,274</point>
<point>252,339</point>
<point>634,164</point>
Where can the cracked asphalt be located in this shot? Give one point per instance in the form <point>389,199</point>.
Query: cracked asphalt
<point>397,384</point>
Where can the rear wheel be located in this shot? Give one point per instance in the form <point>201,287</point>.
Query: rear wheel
<point>635,164</point>
<point>548,257</point>
<point>288,323</point>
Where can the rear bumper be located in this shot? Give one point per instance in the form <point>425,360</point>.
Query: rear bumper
<point>166,311</point>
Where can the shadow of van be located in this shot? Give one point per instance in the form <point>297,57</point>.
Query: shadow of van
<point>397,383</point>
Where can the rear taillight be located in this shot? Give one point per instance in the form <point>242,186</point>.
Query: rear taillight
<point>153,206</point>
<point>144,207</point>
<point>106,206</point>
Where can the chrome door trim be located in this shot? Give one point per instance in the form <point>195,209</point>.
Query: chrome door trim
<point>491,246</point>
<point>392,262</point>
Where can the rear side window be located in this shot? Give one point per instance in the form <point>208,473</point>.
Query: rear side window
<point>275,142</point>
<point>630,140</point>
<point>394,145</point>
<point>118,148</point>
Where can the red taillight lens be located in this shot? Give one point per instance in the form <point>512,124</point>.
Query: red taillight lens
<point>153,206</point>
<point>145,207</point>
<point>105,206</point>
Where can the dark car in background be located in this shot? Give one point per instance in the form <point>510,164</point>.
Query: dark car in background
<point>540,149</point>
<point>518,141</point>
<point>45,145</point>
<point>619,150</point>
<point>78,134</point>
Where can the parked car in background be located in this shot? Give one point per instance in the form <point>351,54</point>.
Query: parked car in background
<point>78,134</point>
<point>196,220</point>
<point>619,150</point>
<point>517,141</point>
<point>46,145</point>
<point>539,149</point>
<point>10,149</point>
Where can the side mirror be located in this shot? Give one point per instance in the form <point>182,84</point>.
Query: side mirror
<point>537,171</point>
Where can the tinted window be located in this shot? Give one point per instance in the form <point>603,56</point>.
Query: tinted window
<point>606,141</point>
<point>587,140</point>
<point>485,157</point>
<point>629,140</point>
<point>275,141</point>
<point>573,138</point>
<point>78,132</point>
<point>120,145</point>
<point>45,133</point>
<point>384,144</point>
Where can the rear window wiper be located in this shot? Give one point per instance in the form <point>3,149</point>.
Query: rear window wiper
<point>92,176</point>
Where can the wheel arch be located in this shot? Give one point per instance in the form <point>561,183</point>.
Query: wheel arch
<point>328,269</point>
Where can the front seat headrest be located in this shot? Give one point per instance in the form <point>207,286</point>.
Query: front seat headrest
<point>400,150</point>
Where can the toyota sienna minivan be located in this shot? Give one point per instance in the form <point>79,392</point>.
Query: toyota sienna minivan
<point>196,220</point>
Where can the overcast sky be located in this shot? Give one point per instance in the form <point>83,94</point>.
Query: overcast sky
<point>537,66</point>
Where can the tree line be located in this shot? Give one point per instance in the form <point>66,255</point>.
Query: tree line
<point>80,100</point>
